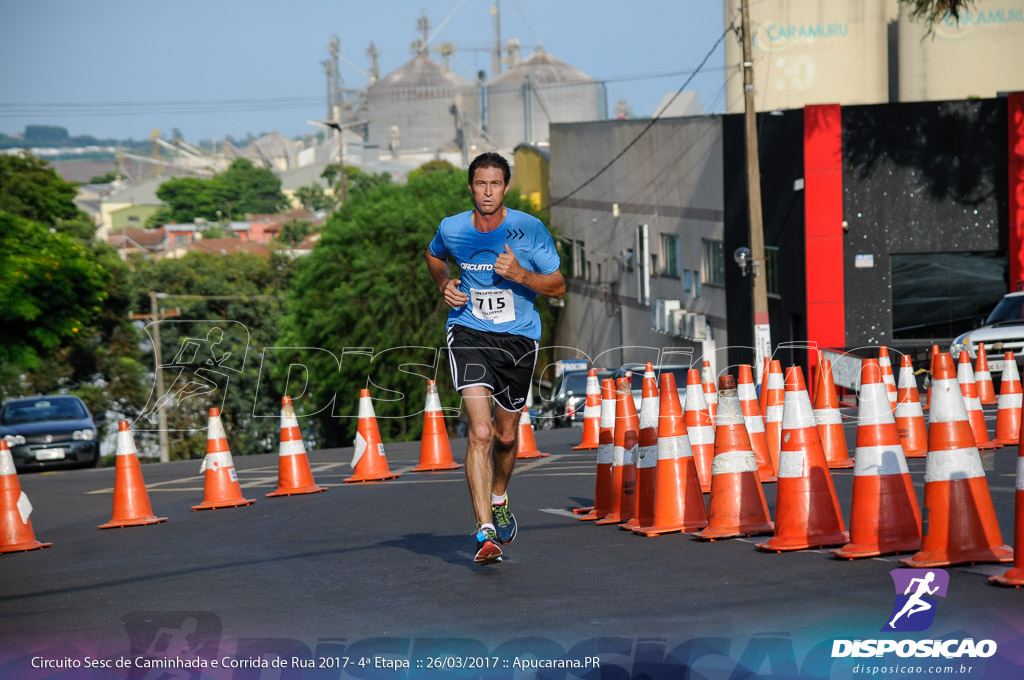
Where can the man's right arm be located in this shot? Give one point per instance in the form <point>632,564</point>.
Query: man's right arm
<point>448,287</point>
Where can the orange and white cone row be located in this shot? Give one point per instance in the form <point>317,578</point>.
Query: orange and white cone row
<point>737,506</point>
<point>591,414</point>
<point>294,476</point>
<point>220,485</point>
<point>369,463</point>
<point>755,424</point>
<point>884,517</point>
<point>16,534</point>
<point>887,375</point>
<point>699,429</point>
<point>975,415</point>
<point>1011,399</point>
<point>527,444</point>
<point>605,455</point>
<point>647,456</point>
<point>775,389</point>
<point>131,500</point>
<point>707,378</point>
<point>962,524</point>
<point>909,414</point>
<point>983,378</point>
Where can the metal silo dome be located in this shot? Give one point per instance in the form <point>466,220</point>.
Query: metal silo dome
<point>526,99</point>
<point>418,99</point>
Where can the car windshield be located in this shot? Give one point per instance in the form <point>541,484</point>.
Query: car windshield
<point>576,382</point>
<point>679,373</point>
<point>1009,309</point>
<point>42,409</point>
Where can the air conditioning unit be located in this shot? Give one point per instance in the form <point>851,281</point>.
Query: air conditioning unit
<point>700,325</point>
<point>677,322</point>
<point>665,311</point>
<point>657,314</point>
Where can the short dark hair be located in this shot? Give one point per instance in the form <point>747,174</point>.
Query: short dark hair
<point>490,159</point>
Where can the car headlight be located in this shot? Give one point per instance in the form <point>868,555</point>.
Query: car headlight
<point>86,435</point>
<point>14,439</point>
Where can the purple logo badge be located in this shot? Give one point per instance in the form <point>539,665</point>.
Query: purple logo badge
<point>914,609</point>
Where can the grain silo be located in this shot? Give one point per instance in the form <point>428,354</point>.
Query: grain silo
<point>532,94</point>
<point>425,103</point>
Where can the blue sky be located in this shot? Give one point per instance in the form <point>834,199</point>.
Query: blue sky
<point>142,65</point>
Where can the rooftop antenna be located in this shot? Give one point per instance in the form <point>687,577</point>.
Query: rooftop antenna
<point>336,82</point>
<point>496,54</point>
<point>374,56</point>
<point>419,45</point>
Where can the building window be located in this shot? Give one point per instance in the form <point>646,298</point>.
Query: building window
<point>687,282</point>
<point>180,239</point>
<point>714,262</point>
<point>133,218</point>
<point>670,255</point>
<point>579,259</point>
<point>771,262</point>
<point>696,283</point>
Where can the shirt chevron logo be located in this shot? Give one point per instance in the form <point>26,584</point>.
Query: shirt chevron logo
<point>514,233</point>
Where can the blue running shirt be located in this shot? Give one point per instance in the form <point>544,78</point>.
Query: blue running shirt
<point>496,304</point>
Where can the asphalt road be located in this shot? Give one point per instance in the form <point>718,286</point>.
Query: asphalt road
<point>386,569</point>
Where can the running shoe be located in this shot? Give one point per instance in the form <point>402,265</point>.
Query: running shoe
<point>504,523</point>
<point>487,550</point>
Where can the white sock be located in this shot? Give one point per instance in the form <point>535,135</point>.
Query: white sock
<point>498,500</point>
<point>487,525</point>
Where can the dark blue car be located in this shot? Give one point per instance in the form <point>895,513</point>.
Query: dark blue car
<point>49,432</point>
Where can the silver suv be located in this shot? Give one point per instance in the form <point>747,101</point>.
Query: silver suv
<point>1003,331</point>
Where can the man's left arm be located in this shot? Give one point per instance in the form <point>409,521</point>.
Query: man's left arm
<point>550,285</point>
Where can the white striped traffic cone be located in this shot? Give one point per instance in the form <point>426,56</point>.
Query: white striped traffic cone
<point>294,475</point>
<point>1008,418</point>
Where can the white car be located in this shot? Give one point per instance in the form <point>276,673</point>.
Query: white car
<point>1003,331</point>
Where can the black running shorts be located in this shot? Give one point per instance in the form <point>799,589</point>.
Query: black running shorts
<point>502,362</point>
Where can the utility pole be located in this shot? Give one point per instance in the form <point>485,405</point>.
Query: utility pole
<point>496,55</point>
<point>154,311</point>
<point>762,330</point>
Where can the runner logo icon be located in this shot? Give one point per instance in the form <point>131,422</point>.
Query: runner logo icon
<point>914,608</point>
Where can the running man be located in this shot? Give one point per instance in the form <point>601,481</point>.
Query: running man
<point>506,258</point>
<point>916,604</point>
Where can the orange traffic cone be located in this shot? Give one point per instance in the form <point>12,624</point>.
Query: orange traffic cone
<point>369,463</point>
<point>603,478</point>
<point>829,420</point>
<point>969,391</point>
<point>647,456</point>
<point>16,534</point>
<point>755,424</point>
<point>707,379</point>
<point>1014,576</point>
<point>220,486</point>
<point>131,501</point>
<point>931,374</point>
<point>294,475</point>
<point>983,378</point>
<point>627,440</point>
<point>885,517</point>
<point>591,414</point>
<point>775,391</point>
<point>699,429</point>
<point>678,500</point>
<point>887,375</point>
<point>435,450</point>
<point>1008,418</point>
<point>527,446</point>
<point>909,415</point>
<point>738,506</point>
<point>807,513</point>
<point>962,524</point>
<point>762,398</point>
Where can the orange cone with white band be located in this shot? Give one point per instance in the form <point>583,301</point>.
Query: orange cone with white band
<point>969,391</point>
<point>627,440</point>
<point>887,375</point>
<point>807,512</point>
<point>762,398</point>
<point>755,424</point>
<point>983,378</point>
<point>884,517</point>
<point>527,446</point>
<point>931,373</point>
<point>1014,576</point>
<point>962,525</point>
<point>909,414</point>
<point>775,389</point>
<point>737,506</point>
<point>294,475</point>
<point>1010,401</point>
<point>678,500</point>
<point>369,463</point>
<point>591,414</point>
<point>829,420</point>
<point>707,379</point>
<point>699,429</point>
<point>220,485</point>
<point>647,456</point>
<point>131,500</point>
<point>16,534</point>
<point>603,478</point>
<point>435,450</point>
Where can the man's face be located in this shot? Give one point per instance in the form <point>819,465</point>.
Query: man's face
<point>488,189</point>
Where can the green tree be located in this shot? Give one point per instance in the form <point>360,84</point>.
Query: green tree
<point>931,11</point>
<point>294,231</point>
<point>242,188</point>
<point>105,178</point>
<point>313,197</point>
<point>30,189</point>
<point>366,285</point>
